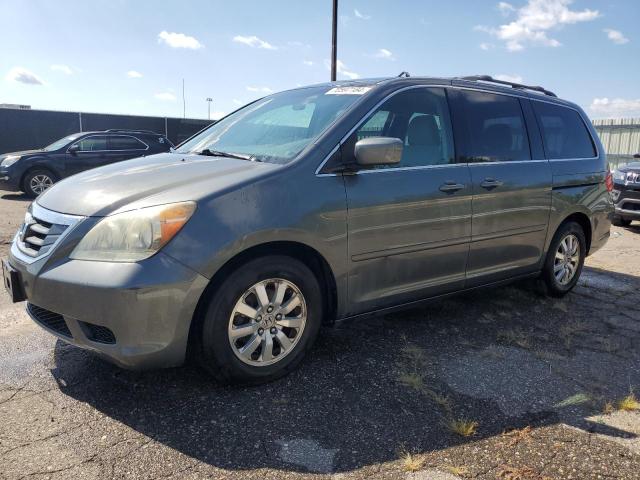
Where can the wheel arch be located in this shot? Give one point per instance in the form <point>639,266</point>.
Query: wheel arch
<point>38,166</point>
<point>297,250</point>
<point>583,220</point>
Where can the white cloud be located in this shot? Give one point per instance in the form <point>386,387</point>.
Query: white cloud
<point>361,16</point>
<point>166,96</point>
<point>254,41</point>
<point>308,63</point>
<point>179,40</point>
<point>238,102</point>
<point>259,89</point>
<point>508,78</point>
<point>22,75</point>
<point>384,53</point>
<point>506,8</point>
<point>62,69</point>
<point>134,74</point>
<point>534,21</point>
<point>342,69</point>
<point>616,107</point>
<point>616,36</point>
<point>486,46</point>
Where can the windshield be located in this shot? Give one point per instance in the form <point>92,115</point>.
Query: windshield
<point>276,128</point>
<point>58,144</point>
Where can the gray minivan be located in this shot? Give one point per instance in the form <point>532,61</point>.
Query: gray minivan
<point>309,206</point>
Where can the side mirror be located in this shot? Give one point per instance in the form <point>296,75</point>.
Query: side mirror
<point>374,151</point>
<point>637,155</point>
<point>73,149</point>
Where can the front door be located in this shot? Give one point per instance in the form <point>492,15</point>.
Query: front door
<point>409,225</point>
<point>511,187</point>
<point>92,151</point>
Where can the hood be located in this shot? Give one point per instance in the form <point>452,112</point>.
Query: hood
<point>146,181</point>
<point>633,166</point>
<point>22,154</point>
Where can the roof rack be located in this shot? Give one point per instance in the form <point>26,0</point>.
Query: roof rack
<point>130,130</point>
<point>519,86</point>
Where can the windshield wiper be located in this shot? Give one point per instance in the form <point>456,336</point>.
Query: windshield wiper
<point>217,153</point>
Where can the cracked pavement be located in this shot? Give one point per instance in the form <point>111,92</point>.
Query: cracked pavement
<point>534,373</point>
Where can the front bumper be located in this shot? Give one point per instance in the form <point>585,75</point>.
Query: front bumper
<point>8,181</point>
<point>147,306</point>
<point>627,202</point>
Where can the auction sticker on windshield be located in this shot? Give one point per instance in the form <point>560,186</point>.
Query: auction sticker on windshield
<point>348,91</point>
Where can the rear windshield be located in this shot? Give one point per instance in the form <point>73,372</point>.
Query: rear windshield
<point>277,128</point>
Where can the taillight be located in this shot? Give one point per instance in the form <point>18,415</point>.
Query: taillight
<point>608,181</point>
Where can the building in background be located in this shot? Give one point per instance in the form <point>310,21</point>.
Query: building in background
<point>27,129</point>
<point>620,138</point>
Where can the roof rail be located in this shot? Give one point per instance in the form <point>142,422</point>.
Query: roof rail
<point>130,130</point>
<point>519,86</point>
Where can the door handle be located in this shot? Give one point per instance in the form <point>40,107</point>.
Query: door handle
<point>490,183</point>
<point>451,187</point>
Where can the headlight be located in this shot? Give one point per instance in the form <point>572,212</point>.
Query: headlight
<point>620,176</point>
<point>9,160</point>
<point>133,236</point>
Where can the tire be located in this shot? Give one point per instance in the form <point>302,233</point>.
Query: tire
<point>221,353</point>
<point>621,222</point>
<point>36,181</point>
<point>559,287</point>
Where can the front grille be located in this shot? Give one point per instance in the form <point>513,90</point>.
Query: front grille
<point>51,320</point>
<point>37,236</point>
<point>98,333</point>
<point>631,206</point>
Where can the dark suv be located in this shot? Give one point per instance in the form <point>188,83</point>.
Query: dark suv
<point>34,171</point>
<point>626,193</point>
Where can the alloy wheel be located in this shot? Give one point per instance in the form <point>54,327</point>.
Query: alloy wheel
<point>39,183</point>
<point>267,322</point>
<point>567,259</point>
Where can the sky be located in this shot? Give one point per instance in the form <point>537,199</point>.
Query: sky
<point>126,56</point>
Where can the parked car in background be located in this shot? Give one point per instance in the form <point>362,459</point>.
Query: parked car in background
<point>310,206</point>
<point>626,193</point>
<point>34,171</point>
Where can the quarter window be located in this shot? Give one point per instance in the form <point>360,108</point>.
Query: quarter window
<point>563,132</point>
<point>92,144</point>
<point>420,118</point>
<point>494,127</point>
<point>125,143</point>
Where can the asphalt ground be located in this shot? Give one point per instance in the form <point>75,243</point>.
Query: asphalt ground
<point>535,382</point>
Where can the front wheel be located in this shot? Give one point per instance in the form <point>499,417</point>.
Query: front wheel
<point>565,259</point>
<point>261,321</point>
<point>37,181</point>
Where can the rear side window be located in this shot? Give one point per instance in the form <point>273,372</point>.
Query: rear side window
<point>563,132</point>
<point>493,126</point>
<point>125,143</point>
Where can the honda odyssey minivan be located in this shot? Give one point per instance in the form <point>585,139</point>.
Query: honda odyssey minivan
<point>310,206</point>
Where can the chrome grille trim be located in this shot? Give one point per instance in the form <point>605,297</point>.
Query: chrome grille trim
<point>40,233</point>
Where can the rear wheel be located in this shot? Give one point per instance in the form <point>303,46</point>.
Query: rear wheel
<point>565,259</point>
<point>261,321</point>
<point>37,181</point>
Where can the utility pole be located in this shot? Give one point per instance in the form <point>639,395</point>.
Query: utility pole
<point>334,41</point>
<point>209,100</point>
<point>184,103</point>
